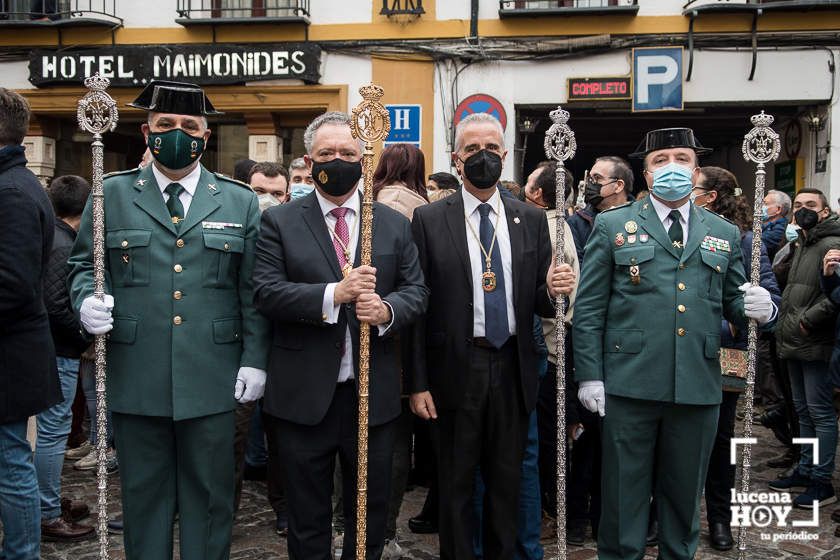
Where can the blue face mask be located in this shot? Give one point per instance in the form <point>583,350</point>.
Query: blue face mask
<point>299,191</point>
<point>792,232</point>
<point>672,182</point>
<point>764,214</point>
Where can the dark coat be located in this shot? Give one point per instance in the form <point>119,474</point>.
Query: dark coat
<point>773,235</point>
<point>831,288</point>
<point>441,355</point>
<point>68,336</point>
<point>295,262</point>
<point>28,375</point>
<point>581,225</point>
<point>803,301</point>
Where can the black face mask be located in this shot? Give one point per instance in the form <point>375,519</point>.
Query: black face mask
<point>592,194</point>
<point>806,218</point>
<point>336,177</point>
<point>483,169</point>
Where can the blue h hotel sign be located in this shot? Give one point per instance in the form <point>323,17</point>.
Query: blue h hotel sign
<point>658,79</point>
<point>405,124</point>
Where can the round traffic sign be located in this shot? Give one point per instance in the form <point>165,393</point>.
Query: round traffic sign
<point>481,103</point>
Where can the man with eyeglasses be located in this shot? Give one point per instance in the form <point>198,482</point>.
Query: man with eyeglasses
<point>658,277</point>
<point>608,184</point>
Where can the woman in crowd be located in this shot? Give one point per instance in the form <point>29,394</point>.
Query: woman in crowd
<point>717,190</point>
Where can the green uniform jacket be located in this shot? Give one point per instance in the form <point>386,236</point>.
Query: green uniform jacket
<point>659,338</point>
<point>184,320</point>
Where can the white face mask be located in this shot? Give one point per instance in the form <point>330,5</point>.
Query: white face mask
<point>267,201</point>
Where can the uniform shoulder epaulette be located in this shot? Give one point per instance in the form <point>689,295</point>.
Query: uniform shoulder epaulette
<point>231,180</point>
<point>124,172</point>
<point>628,203</point>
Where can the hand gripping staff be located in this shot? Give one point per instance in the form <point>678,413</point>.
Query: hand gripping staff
<point>97,114</point>
<point>560,145</point>
<point>370,122</point>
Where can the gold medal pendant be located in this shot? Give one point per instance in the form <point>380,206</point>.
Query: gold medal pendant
<point>488,281</point>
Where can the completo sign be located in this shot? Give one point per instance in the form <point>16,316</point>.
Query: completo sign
<point>135,66</point>
<point>581,89</point>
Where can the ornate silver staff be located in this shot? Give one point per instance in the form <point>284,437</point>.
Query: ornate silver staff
<point>560,145</point>
<point>97,114</point>
<point>761,145</point>
<point>370,122</point>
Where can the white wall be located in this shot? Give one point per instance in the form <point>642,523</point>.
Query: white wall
<point>355,71</point>
<point>148,13</point>
<point>15,75</point>
<point>341,11</point>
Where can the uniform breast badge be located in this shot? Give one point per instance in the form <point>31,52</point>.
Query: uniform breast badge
<point>643,238</point>
<point>631,227</point>
<point>631,239</point>
<point>635,276</point>
<point>715,244</point>
<point>619,239</point>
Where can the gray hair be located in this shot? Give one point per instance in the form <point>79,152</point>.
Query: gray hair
<point>477,118</point>
<point>331,117</point>
<point>782,199</point>
<point>297,163</point>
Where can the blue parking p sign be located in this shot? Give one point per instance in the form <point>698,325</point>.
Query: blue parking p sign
<point>657,79</point>
<point>405,124</point>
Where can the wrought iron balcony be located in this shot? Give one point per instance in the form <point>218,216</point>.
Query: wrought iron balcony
<point>213,12</point>
<point>746,6</point>
<point>402,8</point>
<point>532,8</point>
<point>37,13</point>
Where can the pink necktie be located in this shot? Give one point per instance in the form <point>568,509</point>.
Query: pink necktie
<point>342,233</point>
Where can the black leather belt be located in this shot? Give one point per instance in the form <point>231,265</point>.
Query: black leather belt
<point>482,342</point>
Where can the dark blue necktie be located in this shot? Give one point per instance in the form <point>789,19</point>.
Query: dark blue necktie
<point>496,329</point>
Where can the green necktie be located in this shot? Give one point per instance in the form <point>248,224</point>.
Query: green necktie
<point>176,209</point>
<point>675,232</point>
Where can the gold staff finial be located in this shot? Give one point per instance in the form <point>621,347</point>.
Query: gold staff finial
<point>371,123</point>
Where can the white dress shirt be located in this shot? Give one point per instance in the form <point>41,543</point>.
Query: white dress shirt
<point>477,262</point>
<point>190,183</point>
<point>329,308</point>
<point>663,212</point>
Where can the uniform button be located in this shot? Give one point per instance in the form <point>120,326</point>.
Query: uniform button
<point>177,268</point>
<point>717,268</point>
<point>227,246</point>
<point>682,266</point>
<point>124,243</point>
<point>177,320</point>
<point>681,331</point>
<point>681,308</point>
<point>177,295</point>
<point>236,335</point>
<point>632,260</point>
<point>681,286</point>
<point>180,243</point>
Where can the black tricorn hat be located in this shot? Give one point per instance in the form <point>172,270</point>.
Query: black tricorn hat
<point>664,138</point>
<point>179,98</point>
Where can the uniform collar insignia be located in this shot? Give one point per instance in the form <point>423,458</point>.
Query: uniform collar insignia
<point>141,182</point>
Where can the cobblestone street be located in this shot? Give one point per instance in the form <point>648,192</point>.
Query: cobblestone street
<point>254,537</point>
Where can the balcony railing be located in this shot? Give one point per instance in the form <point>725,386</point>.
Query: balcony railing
<point>402,8</point>
<point>197,12</point>
<point>699,6</point>
<point>33,13</point>
<point>531,8</point>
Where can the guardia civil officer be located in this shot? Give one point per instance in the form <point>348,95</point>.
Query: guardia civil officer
<point>185,341</point>
<point>659,275</point>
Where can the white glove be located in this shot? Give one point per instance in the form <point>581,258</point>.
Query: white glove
<point>96,315</point>
<point>250,384</point>
<point>591,395</point>
<point>757,303</point>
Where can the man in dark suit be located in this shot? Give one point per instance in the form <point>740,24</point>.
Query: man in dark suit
<point>487,260</point>
<point>308,283</point>
<point>28,376</point>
